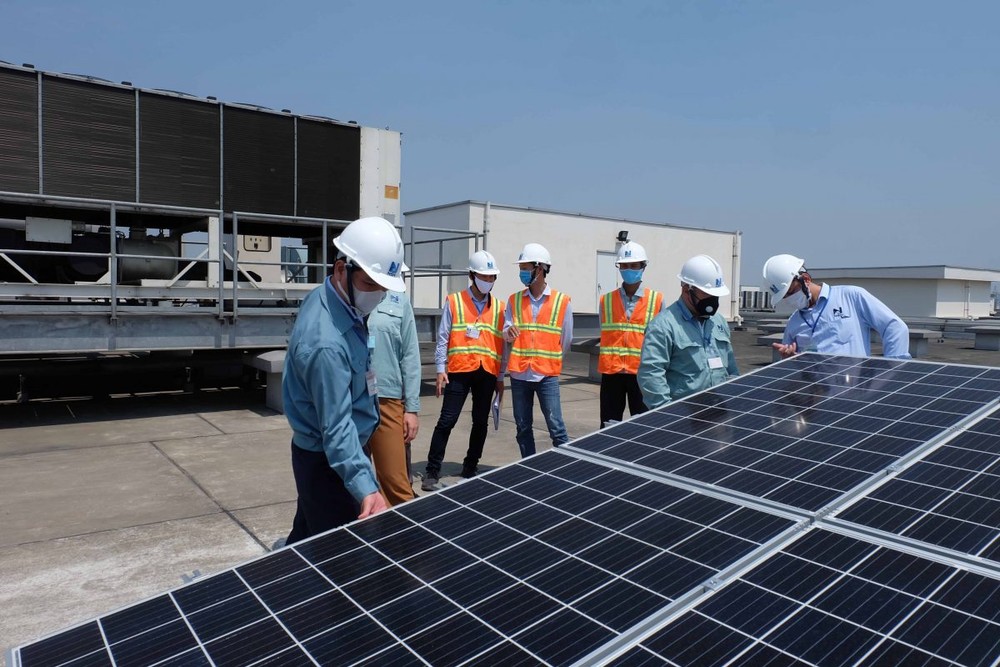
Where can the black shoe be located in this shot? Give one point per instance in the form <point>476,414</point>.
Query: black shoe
<point>430,483</point>
<point>469,473</point>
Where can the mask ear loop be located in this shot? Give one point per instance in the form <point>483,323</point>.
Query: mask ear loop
<point>350,284</point>
<point>804,287</point>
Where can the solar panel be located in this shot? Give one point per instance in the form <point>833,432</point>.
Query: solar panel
<point>821,510</point>
<point>949,498</point>
<point>801,433</point>
<point>541,562</point>
<point>833,599</point>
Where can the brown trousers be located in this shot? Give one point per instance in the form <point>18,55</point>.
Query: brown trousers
<point>389,453</point>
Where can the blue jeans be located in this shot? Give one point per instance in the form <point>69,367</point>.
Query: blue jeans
<point>523,396</point>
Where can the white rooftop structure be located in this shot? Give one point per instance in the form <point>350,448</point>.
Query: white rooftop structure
<point>582,246</point>
<point>921,291</point>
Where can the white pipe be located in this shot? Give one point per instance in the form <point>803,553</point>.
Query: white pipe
<point>486,224</point>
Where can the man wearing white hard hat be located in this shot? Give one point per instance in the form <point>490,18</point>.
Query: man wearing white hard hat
<point>687,347</point>
<point>468,356</point>
<point>625,314</point>
<point>830,319</point>
<point>539,327</point>
<point>329,387</point>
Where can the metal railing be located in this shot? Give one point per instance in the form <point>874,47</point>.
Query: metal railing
<point>114,288</point>
<point>243,286</point>
<point>439,270</point>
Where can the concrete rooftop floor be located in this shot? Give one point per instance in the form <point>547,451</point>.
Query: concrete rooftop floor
<point>106,503</point>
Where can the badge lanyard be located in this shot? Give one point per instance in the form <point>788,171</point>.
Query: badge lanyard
<point>815,323</point>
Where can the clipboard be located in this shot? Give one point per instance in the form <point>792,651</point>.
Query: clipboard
<point>495,411</point>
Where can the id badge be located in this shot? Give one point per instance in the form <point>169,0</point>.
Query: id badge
<point>371,382</point>
<point>371,341</point>
<point>715,362</point>
<point>471,332</point>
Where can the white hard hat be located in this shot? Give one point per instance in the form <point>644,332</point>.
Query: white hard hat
<point>483,263</point>
<point>779,272</point>
<point>534,252</point>
<point>703,272</point>
<point>630,252</point>
<point>373,245</point>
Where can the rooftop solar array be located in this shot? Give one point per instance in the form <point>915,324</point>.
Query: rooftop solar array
<point>822,510</point>
<point>804,432</point>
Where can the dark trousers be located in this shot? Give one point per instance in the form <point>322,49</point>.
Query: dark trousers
<point>324,501</point>
<point>481,385</point>
<point>615,388</point>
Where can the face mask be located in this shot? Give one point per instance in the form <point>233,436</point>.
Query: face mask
<point>797,301</point>
<point>483,286</point>
<point>366,302</point>
<point>631,276</point>
<point>706,307</point>
<point>526,276</point>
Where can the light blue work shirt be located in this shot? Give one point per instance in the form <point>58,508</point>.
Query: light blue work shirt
<point>325,390</point>
<point>841,323</point>
<point>677,355</point>
<point>396,357</point>
<point>565,338</point>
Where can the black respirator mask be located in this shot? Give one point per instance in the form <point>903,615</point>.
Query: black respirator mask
<point>705,307</point>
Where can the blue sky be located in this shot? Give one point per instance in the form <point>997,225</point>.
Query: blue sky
<point>849,133</point>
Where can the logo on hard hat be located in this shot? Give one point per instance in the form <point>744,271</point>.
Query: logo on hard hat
<point>489,265</point>
<point>718,282</point>
<point>393,269</point>
<point>774,289</point>
<point>628,253</point>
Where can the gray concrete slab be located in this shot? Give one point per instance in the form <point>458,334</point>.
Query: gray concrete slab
<point>237,471</point>
<point>47,586</point>
<point>268,522</point>
<point>244,421</point>
<point>100,432</point>
<point>75,492</point>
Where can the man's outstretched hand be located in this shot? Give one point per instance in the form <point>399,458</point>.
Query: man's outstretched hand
<point>785,350</point>
<point>373,504</point>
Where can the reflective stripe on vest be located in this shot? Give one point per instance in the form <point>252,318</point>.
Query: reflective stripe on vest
<point>468,354</point>
<point>621,337</point>
<point>539,345</point>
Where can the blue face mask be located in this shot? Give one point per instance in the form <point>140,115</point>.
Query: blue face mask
<point>525,276</point>
<point>631,276</point>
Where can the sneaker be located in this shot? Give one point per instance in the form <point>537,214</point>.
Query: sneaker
<point>278,543</point>
<point>430,483</point>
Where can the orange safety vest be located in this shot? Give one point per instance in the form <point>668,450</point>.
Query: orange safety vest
<point>621,337</point>
<point>466,353</point>
<point>539,345</point>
